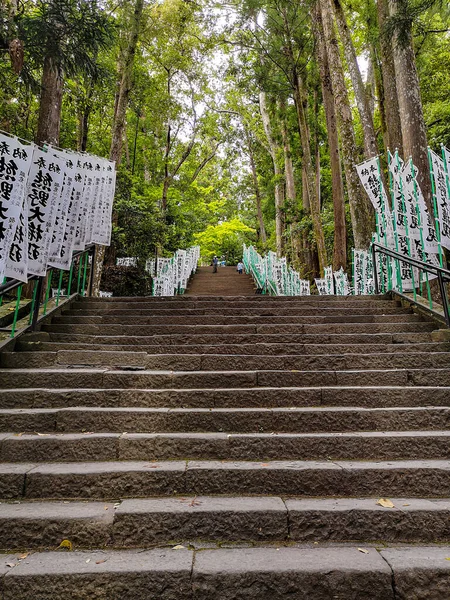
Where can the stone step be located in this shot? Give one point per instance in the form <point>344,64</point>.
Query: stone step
<point>132,479</point>
<point>219,330</point>
<point>267,573</point>
<point>209,362</point>
<point>369,397</point>
<point>234,320</point>
<point>114,378</point>
<point>72,447</point>
<point>259,298</point>
<point>227,339</point>
<point>145,522</point>
<point>282,310</point>
<point>292,419</point>
<point>242,349</point>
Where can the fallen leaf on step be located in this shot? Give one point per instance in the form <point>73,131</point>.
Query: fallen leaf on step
<point>11,564</point>
<point>406,505</point>
<point>66,544</point>
<point>195,502</point>
<point>99,562</point>
<point>363,550</point>
<point>88,560</point>
<point>178,547</point>
<point>151,466</point>
<point>265,464</point>
<point>447,558</point>
<point>24,555</point>
<point>386,503</point>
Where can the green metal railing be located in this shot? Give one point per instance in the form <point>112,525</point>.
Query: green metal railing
<point>40,297</point>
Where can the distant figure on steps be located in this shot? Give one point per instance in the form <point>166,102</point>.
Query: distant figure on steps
<point>240,267</point>
<point>215,262</point>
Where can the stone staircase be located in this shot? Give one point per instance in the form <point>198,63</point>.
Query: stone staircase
<point>226,282</point>
<point>226,448</point>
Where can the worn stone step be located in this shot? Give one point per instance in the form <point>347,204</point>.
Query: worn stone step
<point>243,349</point>
<point>110,378</point>
<point>292,419</point>
<point>267,573</point>
<point>158,574</point>
<point>144,522</point>
<point>71,447</point>
<point>239,339</point>
<point>231,311</point>
<point>132,479</point>
<point>344,396</point>
<point>209,362</point>
<point>36,525</point>
<point>235,320</point>
<point>218,330</point>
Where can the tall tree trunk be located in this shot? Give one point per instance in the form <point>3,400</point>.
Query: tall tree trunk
<point>261,227</point>
<point>291,193</point>
<point>49,121</point>
<point>120,121</point>
<point>360,208</point>
<point>391,107</point>
<point>309,174</point>
<point>337,186</point>
<point>278,173</point>
<point>370,140</point>
<point>414,133</point>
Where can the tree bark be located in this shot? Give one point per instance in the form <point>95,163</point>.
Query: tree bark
<point>340,227</point>
<point>370,140</point>
<point>360,208</point>
<point>391,107</point>
<point>309,174</point>
<point>414,133</point>
<point>278,173</point>
<point>261,227</point>
<point>119,124</point>
<point>49,121</point>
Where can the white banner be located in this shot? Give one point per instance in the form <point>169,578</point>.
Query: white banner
<point>369,174</point>
<point>15,162</point>
<point>442,192</point>
<point>63,206</point>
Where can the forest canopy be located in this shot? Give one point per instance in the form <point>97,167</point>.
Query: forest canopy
<point>232,122</point>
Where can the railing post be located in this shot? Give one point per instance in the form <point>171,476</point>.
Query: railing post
<point>37,303</point>
<point>375,274</point>
<point>444,298</point>
<point>91,275</point>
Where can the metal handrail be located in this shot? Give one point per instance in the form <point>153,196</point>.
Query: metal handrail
<point>13,284</point>
<point>442,274</point>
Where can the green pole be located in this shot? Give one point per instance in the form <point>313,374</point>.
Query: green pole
<point>86,260</point>
<point>80,268</point>
<point>59,286</point>
<point>16,311</point>
<point>1,297</point>
<point>406,223</point>
<point>33,301</point>
<point>69,286</point>
<point>47,292</point>
<point>435,209</point>
<point>419,218</point>
<point>394,223</point>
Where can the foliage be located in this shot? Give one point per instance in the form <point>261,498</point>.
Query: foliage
<point>225,240</point>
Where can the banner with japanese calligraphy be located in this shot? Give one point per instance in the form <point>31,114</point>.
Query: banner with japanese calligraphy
<point>442,194</point>
<point>15,163</point>
<point>370,176</point>
<point>363,283</point>
<point>52,202</point>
